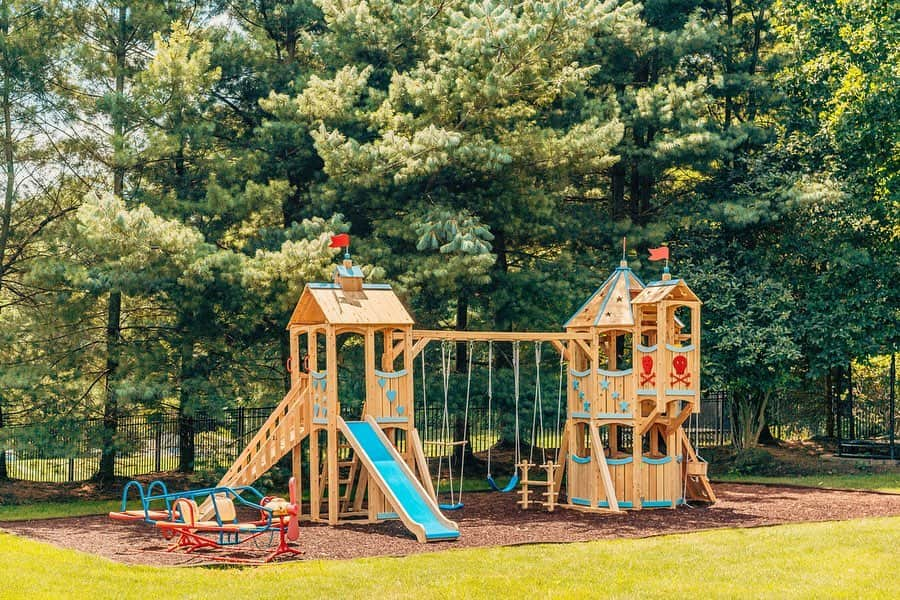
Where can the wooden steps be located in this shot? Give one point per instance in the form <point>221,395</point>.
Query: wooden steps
<point>283,430</point>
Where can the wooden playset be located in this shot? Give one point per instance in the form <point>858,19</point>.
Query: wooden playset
<point>632,356</point>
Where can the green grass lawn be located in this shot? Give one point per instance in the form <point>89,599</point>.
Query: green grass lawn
<point>882,482</point>
<point>847,559</point>
<point>47,510</point>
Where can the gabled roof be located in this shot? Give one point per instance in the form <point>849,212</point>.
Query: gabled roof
<point>667,289</point>
<point>610,305</point>
<point>375,304</point>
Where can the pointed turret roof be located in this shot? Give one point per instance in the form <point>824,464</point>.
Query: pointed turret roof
<point>668,289</point>
<point>610,305</point>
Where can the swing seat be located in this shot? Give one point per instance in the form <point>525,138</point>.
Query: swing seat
<point>509,486</point>
<point>455,506</point>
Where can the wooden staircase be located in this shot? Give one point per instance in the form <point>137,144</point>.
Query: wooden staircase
<point>285,428</point>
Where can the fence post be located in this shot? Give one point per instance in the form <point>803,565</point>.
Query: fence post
<point>71,469</point>
<point>892,419</point>
<point>3,472</point>
<point>158,457</point>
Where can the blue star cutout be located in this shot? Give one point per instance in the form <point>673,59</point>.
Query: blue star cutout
<point>623,406</point>
<point>615,395</point>
<point>587,407</point>
<point>604,384</point>
<point>575,385</point>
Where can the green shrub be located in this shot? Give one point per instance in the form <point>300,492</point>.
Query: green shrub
<point>753,461</point>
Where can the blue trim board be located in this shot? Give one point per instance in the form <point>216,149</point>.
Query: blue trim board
<point>320,421</point>
<point>318,374</point>
<point>580,373</point>
<point>656,503</point>
<point>386,420</point>
<point>580,501</point>
<point>613,416</point>
<point>681,393</point>
<point>581,460</point>
<point>614,373</point>
<point>646,349</point>
<point>619,461</point>
<point>646,392</point>
<point>662,283</point>
<point>581,415</point>
<point>390,374</point>
<point>383,516</point>
<point>688,348</point>
<point>656,461</point>
<point>334,286</point>
<point>622,504</point>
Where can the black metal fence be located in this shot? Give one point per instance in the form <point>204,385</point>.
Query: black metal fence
<point>70,451</point>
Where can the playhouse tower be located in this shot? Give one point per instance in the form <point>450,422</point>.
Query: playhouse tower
<point>630,388</point>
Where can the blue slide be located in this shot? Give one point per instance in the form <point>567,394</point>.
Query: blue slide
<point>397,482</point>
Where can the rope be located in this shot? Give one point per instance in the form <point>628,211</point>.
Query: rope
<point>490,396</point>
<point>465,432</point>
<point>537,407</point>
<point>516,392</point>
<point>559,408</point>
<point>445,423</point>
<point>424,404</point>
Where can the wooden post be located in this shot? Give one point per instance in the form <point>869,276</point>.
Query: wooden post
<point>315,499</point>
<point>297,471</point>
<point>333,414</point>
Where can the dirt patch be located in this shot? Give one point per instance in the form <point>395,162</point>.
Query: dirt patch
<point>487,519</point>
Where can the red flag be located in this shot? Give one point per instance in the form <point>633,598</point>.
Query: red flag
<point>661,253</point>
<point>341,240</point>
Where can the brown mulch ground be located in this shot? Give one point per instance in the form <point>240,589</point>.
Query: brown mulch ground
<point>487,519</point>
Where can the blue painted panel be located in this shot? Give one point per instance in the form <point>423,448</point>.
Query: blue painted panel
<point>384,516</point>
<point>656,461</point>
<point>392,476</point>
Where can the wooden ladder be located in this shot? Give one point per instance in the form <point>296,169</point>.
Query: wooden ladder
<point>283,430</point>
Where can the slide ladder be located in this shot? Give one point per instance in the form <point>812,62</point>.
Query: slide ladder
<point>284,429</point>
<point>416,508</point>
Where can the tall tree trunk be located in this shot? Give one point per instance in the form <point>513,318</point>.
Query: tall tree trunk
<point>185,407</point>
<point>617,191</point>
<point>9,160</point>
<point>114,308</point>
<point>3,472</point>
<point>111,404</point>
